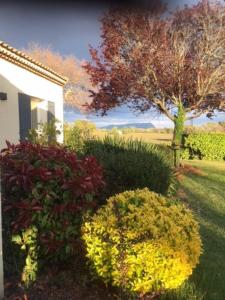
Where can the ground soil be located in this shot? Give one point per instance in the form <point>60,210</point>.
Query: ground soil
<point>72,282</point>
<point>59,285</point>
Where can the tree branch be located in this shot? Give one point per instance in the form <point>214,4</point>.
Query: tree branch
<point>163,108</point>
<point>196,115</point>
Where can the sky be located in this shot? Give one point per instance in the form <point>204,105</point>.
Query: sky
<point>70,29</point>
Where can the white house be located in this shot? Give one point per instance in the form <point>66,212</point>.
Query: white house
<point>30,93</point>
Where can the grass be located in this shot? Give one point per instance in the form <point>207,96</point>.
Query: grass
<point>145,136</point>
<point>205,193</point>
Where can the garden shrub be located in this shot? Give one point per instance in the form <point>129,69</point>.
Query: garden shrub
<point>131,164</point>
<point>27,240</point>
<point>76,135</point>
<point>47,188</point>
<point>46,134</point>
<point>142,242</point>
<point>210,146</point>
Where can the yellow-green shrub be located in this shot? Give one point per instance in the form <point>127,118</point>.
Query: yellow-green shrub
<point>142,242</point>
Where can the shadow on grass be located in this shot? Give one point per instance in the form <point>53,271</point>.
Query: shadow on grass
<point>210,273</point>
<point>206,196</point>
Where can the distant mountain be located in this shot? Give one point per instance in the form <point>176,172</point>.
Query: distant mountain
<point>129,125</point>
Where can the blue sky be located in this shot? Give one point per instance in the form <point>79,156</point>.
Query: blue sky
<point>69,30</point>
<point>124,116</point>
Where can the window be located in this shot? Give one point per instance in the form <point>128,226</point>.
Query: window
<point>39,112</point>
<point>32,112</point>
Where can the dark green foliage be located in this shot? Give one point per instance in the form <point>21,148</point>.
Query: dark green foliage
<point>131,164</point>
<point>209,146</point>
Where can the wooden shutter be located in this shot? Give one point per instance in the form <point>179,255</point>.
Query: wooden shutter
<point>24,115</point>
<point>51,111</point>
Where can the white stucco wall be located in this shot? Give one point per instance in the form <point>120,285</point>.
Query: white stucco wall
<point>14,80</point>
<point>1,253</point>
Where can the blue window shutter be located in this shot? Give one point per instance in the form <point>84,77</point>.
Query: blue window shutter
<point>51,111</point>
<point>24,115</point>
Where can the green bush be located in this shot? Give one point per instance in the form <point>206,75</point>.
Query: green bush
<point>142,242</point>
<point>76,135</point>
<point>46,134</point>
<point>131,164</point>
<point>210,146</point>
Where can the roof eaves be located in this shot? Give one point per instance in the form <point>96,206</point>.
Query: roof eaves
<point>19,58</point>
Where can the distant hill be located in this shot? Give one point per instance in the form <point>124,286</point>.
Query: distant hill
<point>130,125</point>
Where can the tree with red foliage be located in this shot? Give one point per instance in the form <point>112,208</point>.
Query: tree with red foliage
<point>76,89</point>
<point>173,63</point>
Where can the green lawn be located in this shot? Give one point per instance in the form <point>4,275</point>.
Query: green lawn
<point>206,196</point>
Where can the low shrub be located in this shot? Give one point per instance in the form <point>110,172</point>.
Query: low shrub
<point>45,191</point>
<point>131,164</point>
<point>142,242</point>
<point>210,146</point>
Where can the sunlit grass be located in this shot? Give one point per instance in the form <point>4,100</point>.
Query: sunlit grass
<point>206,196</point>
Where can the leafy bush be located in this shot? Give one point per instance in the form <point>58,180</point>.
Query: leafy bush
<point>142,242</point>
<point>76,135</point>
<point>131,164</point>
<point>27,241</point>
<point>46,134</point>
<point>209,146</point>
<point>47,188</point>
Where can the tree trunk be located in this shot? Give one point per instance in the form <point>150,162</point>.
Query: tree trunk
<point>177,135</point>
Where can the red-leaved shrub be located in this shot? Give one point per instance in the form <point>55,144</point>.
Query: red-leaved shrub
<point>49,188</point>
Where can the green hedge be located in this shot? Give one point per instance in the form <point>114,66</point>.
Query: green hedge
<point>131,164</point>
<point>209,146</point>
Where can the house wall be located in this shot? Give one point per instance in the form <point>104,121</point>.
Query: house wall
<point>14,80</point>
